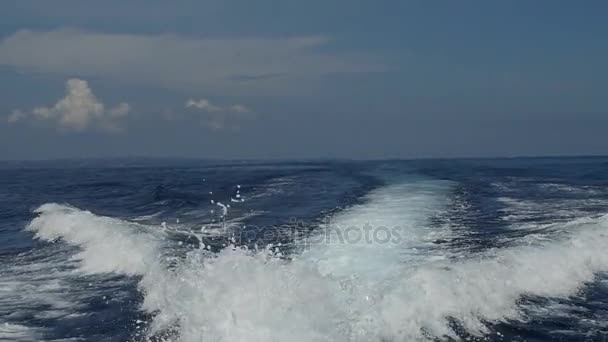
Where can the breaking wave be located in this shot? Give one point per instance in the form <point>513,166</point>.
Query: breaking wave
<point>413,290</point>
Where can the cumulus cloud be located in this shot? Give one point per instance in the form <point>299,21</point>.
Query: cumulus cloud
<point>225,65</point>
<point>77,111</point>
<point>220,117</point>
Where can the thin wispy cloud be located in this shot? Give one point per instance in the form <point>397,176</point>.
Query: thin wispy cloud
<point>267,64</point>
<point>79,110</point>
<point>218,117</point>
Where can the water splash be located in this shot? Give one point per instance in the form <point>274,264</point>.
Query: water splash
<point>255,295</point>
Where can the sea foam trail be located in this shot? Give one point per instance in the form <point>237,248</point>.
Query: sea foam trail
<point>239,295</point>
<point>488,288</point>
<point>388,231</point>
<point>13,332</point>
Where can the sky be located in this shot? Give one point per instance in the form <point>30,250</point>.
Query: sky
<point>289,79</point>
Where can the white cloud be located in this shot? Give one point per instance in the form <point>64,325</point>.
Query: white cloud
<point>220,117</point>
<point>203,104</point>
<point>15,116</point>
<point>120,111</point>
<point>223,65</point>
<point>77,111</point>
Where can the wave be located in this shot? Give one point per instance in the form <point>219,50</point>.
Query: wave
<point>338,292</point>
<point>15,332</point>
<point>107,244</point>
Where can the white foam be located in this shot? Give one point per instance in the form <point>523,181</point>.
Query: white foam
<point>515,211</point>
<point>388,231</point>
<point>27,285</point>
<point>241,295</point>
<point>15,332</point>
<point>108,245</point>
<point>489,288</point>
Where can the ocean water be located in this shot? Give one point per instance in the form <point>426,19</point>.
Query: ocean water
<point>187,250</point>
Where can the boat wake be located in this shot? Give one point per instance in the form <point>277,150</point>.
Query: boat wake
<point>410,289</point>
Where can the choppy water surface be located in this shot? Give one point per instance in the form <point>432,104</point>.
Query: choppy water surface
<point>167,250</point>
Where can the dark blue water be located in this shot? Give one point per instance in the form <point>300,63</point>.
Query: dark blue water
<point>186,250</point>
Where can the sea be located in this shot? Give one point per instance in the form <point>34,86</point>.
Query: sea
<point>511,249</point>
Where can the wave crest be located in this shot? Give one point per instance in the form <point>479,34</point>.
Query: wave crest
<point>238,294</point>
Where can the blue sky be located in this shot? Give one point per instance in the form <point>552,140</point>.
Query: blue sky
<point>302,79</point>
